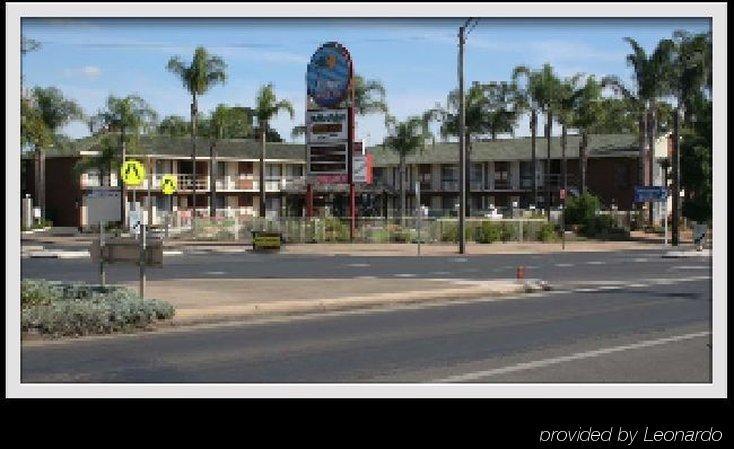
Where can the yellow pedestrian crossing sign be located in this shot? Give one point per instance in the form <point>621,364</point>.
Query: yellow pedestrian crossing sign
<point>133,173</point>
<point>168,184</point>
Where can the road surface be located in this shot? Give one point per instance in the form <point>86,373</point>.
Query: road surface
<point>613,317</point>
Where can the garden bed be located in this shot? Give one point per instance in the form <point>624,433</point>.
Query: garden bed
<point>71,309</point>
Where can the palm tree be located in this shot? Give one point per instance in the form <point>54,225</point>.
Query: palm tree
<point>203,73</point>
<point>501,112</point>
<point>477,121</point>
<point>652,80</point>
<point>542,91</point>
<point>43,113</point>
<point>127,116</point>
<point>583,109</point>
<point>369,96</point>
<point>268,107</point>
<point>691,70</point>
<point>570,91</point>
<point>405,138</point>
<point>218,124</point>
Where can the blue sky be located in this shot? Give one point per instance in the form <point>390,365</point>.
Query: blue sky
<point>90,59</point>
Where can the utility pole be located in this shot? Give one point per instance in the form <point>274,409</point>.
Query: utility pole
<point>676,176</point>
<point>462,143</point>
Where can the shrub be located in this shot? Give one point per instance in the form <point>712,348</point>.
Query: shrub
<point>78,309</point>
<point>450,232</point>
<point>604,226</point>
<point>509,231</point>
<point>547,232</point>
<point>582,208</point>
<point>489,232</point>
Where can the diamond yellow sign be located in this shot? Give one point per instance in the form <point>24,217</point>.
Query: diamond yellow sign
<point>168,184</point>
<point>133,173</point>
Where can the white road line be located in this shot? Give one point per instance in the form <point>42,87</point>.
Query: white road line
<point>637,285</point>
<point>564,264</point>
<point>404,275</point>
<point>440,272</point>
<point>215,272</point>
<point>691,267</point>
<point>595,262</point>
<point>640,259</point>
<point>460,259</point>
<point>358,265</point>
<point>569,358</point>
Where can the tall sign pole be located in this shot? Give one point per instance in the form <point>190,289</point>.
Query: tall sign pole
<point>330,122</point>
<point>462,143</point>
<point>350,160</point>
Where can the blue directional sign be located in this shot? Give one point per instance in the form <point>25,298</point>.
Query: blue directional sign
<point>328,74</point>
<point>650,194</point>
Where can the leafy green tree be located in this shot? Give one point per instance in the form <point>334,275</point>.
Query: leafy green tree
<point>173,126</point>
<point>127,116</point>
<point>691,84</point>
<point>268,107</point>
<point>204,72</point>
<point>43,113</point>
<point>696,162</point>
<point>405,138</point>
<point>691,71</point>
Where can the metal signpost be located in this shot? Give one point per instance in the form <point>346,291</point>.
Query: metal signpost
<point>562,194</point>
<point>142,260</point>
<point>169,184</point>
<point>133,174</point>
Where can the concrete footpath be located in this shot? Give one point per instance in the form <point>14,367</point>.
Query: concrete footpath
<point>199,301</point>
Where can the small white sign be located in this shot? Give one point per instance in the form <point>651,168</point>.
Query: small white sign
<point>359,167</point>
<point>135,217</point>
<point>36,212</point>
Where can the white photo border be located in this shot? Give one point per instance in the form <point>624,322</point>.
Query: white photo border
<point>715,11</point>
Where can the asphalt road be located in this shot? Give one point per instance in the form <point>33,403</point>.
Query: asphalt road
<point>551,267</point>
<point>612,318</point>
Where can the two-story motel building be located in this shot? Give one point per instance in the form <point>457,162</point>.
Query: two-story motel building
<point>501,173</point>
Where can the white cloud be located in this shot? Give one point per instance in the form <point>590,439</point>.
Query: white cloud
<point>89,71</point>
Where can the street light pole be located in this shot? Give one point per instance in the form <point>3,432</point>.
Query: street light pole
<point>462,143</point>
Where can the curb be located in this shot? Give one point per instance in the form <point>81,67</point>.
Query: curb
<point>273,309</point>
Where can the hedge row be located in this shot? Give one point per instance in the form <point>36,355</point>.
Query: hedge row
<point>59,309</point>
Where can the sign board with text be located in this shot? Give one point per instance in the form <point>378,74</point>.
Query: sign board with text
<point>362,168</point>
<point>647,194</point>
<point>327,125</point>
<point>327,159</point>
<point>103,205</point>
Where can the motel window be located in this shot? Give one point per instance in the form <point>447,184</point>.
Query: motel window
<point>526,175</point>
<point>501,175</point>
